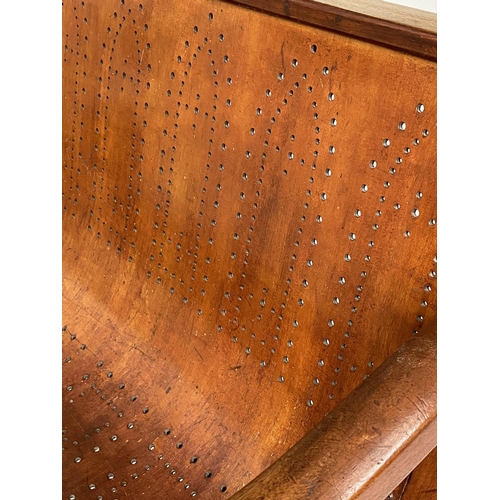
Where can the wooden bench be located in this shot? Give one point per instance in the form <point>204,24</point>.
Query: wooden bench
<point>249,249</point>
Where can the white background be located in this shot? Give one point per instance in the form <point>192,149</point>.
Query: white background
<point>429,5</point>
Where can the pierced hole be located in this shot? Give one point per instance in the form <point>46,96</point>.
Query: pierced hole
<point>314,48</point>
<point>420,108</point>
<point>402,126</point>
<point>386,143</point>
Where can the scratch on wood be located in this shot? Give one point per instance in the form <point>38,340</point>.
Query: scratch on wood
<point>197,352</point>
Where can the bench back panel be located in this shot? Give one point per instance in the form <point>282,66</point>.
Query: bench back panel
<point>249,212</point>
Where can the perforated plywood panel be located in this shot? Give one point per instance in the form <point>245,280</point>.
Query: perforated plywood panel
<point>249,213</point>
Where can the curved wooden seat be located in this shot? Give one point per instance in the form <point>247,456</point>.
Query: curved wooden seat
<point>249,231</point>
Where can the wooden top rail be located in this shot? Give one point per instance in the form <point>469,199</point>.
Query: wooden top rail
<point>410,30</point>
<point>369,443</point>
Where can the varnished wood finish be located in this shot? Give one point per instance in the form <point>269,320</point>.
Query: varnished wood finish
<point>397,493</point>
<point>422,482</point>
<point>213,285</point>
<point>366,446</point>
<point>378,22</point>
<point>389,11</point>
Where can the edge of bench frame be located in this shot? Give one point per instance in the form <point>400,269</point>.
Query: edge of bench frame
<point>409,30</point>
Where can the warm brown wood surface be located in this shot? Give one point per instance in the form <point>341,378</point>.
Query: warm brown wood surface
<point>367,445</point>
<point>233,267</point>
<point>397,493</point>
<point>396,13</point>
<point>423,479</point>
<point>422,482</point>
<point>378,22</point>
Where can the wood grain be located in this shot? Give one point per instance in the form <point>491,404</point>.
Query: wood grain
<point>394,26</point>
<point>366,446</point>
<point>380,9</point>
<point>397,493</point>
<point>422,482</point>
<point>234,263</point>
